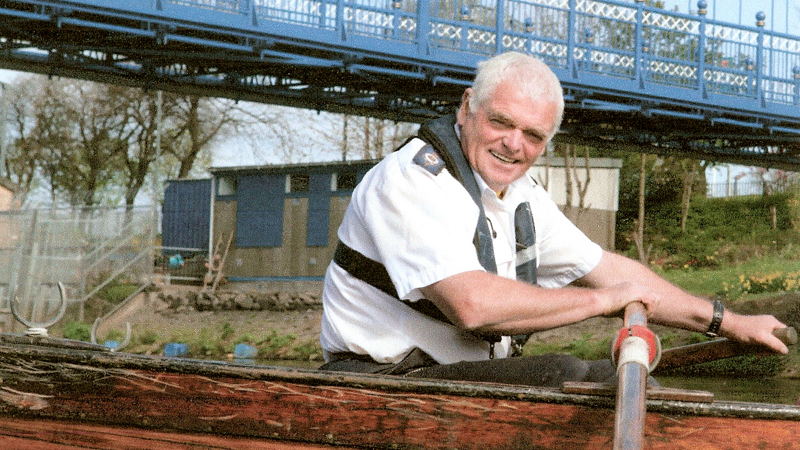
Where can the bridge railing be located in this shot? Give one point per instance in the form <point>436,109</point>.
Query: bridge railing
<point>628,40</point>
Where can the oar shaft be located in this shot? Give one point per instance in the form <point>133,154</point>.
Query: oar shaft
<point>631,396</point>
<point>635,314</point>
<point>688,355</point>
<point>631,391</point>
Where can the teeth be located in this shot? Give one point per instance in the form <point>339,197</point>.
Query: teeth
<point>501,158</point>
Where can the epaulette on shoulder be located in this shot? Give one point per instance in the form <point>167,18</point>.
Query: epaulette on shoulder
<point>429,159</point>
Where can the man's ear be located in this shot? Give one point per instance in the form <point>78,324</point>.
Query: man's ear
<point>463,109</point>
<point>466,96</point>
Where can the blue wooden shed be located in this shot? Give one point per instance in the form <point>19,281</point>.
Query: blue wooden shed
<point>186,216</point>
<point>282,219</point>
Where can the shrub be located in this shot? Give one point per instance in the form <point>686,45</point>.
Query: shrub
<point>718,231</point>
<point>78,331</point>
<point>116,293</point>
<point>227,330</point>
<point>775,282</point>
<point>148,337</point>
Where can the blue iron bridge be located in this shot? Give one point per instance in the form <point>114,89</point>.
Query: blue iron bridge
<point>635,77</point>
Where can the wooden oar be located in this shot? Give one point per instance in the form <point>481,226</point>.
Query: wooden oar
<point>688,355</point>
<point>631,388</point>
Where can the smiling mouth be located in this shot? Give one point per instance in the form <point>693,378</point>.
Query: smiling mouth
<point>502,158</point>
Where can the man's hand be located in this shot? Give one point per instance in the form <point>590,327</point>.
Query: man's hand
<point>753,330</point>
<point>617,297</point>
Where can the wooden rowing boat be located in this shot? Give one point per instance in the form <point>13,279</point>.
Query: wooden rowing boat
<point>58,393</point>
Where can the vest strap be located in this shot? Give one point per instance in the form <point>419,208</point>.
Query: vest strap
<point>525,234</point>
<point>440,134</point>
<point>374,273</point>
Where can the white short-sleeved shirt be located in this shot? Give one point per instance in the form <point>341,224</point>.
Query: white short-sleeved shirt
<point>420,226</point>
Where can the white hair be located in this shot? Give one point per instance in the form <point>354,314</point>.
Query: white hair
<point>527,72</point>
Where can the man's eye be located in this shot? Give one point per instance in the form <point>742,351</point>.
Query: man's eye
<point>533,137</point>
<point>500,123</point>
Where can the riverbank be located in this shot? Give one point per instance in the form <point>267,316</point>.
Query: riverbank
<point>285,325</point>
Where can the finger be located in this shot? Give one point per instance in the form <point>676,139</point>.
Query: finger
<point>785,337</point>
<point>776,344</point>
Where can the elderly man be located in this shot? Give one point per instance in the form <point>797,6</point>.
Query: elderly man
<point>425,283</point>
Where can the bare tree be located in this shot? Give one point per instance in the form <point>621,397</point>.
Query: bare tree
<point>81,128</point>
<point>197,123</point>
<point>97,144</point>
<point>638,234</point>
<point>297,135</point>
<point>575,182</point>
<point>689,173</point>
<point>289,135</point>
<point>22,156</point>
<point>372,138</point>
<point>185,126</point>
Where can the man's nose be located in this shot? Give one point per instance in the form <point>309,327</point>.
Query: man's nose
<point>513,139</point>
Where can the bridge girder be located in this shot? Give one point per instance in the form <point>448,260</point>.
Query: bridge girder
<point>155,54</point>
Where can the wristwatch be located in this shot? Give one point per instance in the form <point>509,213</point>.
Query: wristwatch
<point>716,319</point>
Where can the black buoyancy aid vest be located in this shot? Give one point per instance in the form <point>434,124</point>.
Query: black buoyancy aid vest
<point>440,134</point>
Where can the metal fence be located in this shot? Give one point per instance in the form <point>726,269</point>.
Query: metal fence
<point>738,188</point>
<point>82,249</point>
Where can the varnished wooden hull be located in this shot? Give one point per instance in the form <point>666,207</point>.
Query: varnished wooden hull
<point>100,399</point>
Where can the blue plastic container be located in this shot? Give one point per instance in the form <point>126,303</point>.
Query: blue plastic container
<point>175,349</point>
<point>244,351</point>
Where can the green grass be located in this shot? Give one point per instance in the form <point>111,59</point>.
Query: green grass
<point>218,342</point>
<point>709,281</point>
<point>587,346</point>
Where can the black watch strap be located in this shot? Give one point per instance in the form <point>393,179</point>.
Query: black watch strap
<point>716,319</point>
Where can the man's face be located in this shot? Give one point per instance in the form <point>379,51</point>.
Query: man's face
<point>504,136</point>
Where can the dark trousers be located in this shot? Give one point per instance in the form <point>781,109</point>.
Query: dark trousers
<point>550,370</point>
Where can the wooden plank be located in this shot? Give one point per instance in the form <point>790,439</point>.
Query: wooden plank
<point>703,433</point>
<point>42,434</point>
<point>653,392</point>
<point>320,414</point>
<point>138,394</point>
<point>664,432</point>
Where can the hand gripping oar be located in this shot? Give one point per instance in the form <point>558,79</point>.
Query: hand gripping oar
<point>688,355</point>
<point>635,352</point>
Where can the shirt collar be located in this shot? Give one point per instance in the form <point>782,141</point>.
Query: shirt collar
<point>517,192</point>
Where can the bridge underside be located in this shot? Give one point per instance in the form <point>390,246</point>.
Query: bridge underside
<point>682,137</point>
<point>338,80</point>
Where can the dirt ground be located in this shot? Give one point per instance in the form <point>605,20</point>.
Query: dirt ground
<point>152,314</point>
<point>305,324</point>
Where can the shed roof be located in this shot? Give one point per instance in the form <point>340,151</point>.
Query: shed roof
<point>318,166</point>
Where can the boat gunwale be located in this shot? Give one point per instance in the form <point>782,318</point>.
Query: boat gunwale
<point>226,369</point>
